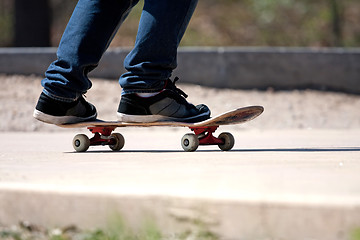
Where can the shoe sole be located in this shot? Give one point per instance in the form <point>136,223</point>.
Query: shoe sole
<point>59,120</point>
<point>159,118</point>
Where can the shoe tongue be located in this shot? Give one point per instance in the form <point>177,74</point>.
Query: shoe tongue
<point>171,85</point>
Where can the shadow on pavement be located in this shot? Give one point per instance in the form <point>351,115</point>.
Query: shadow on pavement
<point>339,149</point>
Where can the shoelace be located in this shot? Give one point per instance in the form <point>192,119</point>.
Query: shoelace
<point>178,90</point>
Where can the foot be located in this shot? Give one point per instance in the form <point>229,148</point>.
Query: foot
<point>56,112</point>
<point>167,105</point>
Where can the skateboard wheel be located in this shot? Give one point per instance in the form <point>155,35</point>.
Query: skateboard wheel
<point>228,139</point>
<point>119,142</point>
<point>81,143</point>
<point>190,142</point>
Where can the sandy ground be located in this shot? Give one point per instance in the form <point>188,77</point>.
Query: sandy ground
<point>283,109</point>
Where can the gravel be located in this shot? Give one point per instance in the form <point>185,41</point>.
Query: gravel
<point>296,109</point>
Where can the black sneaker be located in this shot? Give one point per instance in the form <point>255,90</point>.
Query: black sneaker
<point>168,105</point>
<point>56,112</point>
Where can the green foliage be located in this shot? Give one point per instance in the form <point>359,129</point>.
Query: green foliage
<point>10,235</point>
<point>116,229</point>
<point>320,23</point>
<point>355,235</point>
<point>6,23</point>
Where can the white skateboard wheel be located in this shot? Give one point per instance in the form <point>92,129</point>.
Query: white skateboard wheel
<point>81,143</point>
<point>228,139</point>
<point>190,142</point>
<point>119,142</point>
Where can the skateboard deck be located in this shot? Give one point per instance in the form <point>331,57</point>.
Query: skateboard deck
<point>203,131</point>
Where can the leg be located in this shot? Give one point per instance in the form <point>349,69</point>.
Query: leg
<point>148,94</point>
<point>151,62</point>
<point>86,37</point>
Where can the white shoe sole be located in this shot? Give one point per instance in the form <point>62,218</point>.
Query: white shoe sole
<point>141,118</point>
<point>154,118</point>
<point>59,120</point>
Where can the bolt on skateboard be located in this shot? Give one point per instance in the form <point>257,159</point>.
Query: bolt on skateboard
<point>203,132</point>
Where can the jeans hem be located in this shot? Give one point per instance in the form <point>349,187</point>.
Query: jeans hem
<point>58,98</point>
<point>131,91</point>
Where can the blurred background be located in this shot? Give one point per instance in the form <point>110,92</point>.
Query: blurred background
<point>307,23</point>
<point>329,31</point>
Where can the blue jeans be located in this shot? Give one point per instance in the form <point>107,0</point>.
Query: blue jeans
<point>89,32</point>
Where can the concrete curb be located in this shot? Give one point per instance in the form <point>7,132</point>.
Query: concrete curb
<point>229,220</point>
<point>224,67</point>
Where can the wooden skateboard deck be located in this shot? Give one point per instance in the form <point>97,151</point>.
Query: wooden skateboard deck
<point>203,131</point>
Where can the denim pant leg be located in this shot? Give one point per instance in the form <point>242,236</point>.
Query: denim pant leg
<point>151,62</point>
<point>87,35</point>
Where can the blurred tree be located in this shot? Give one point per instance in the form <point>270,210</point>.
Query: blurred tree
<point>32,23</point>
<point>337,21</point>
<point>6,26</point>
<point>308,23</point>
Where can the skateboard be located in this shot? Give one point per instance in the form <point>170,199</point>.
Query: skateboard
<point>202,131</point>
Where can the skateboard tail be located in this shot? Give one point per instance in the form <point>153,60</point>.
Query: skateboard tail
<point>237,116</point>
